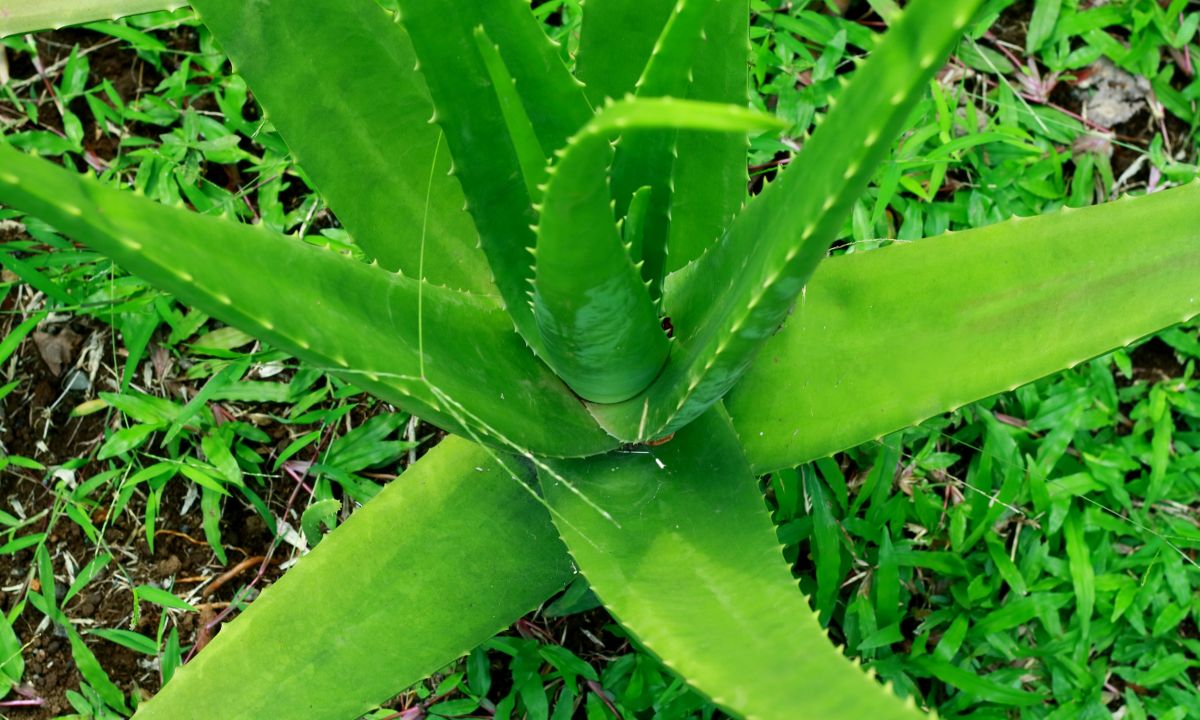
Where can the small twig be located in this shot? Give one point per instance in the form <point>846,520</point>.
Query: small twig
<point>596,688</point>
<point>32,702</point>
<point>232,572</point>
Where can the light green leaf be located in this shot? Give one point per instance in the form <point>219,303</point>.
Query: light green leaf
<point>86,575</point>
<point>127,638</point>
<point>391,335</point>
<point>448,586</point>
<point>94,674</point>
<point>318,68</point>
<point>1041,24</point>
<point>20,16</point>
<point>13,339</point>
<point>601,332</point>
<point>322,512</point>
<point>1000,306</point>
<point>126,439</point>
<point>981,687</point>
<point>12,662</point>
<point>1083,575</point>
<point>729,618</point>
<point>161,597</point>
<point>733,298</point>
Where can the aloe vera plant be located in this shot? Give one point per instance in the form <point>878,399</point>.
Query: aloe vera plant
<point>531,231</point>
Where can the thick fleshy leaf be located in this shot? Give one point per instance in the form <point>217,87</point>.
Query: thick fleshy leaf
<point>452,552</point>
<point>388,334</point>
<point>521,132</point>
<point>677,542</point>
<point>865,353</point>
<point>615,42</point>
<point>601,332</point>
<point>344,69</point>
<point>647,159</point>
<point>710,170</point>
<point>469,111</point>
<point>727,303</point>
<point>19,16</point>
<point>600,329</point>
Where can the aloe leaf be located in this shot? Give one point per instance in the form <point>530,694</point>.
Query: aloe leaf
<point>709,173</point>
<point>634,222</point>
<point>389,334</point>
<point>677,542</point>
<point>19,16</point>
<point>468,109</point>
<point>648,158</point>
<point>530,154</point>
<point>615,42</point>
<point>600,328</point>
<point>726,304</point>
<point>666,71</point>
<point>999,306</point>
<point>342,69</point>
<point>552,97</point>
<point>313,648</point>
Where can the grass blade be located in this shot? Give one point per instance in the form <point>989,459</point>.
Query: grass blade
<point>1083,575</point>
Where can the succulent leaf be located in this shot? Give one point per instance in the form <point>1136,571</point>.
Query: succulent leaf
<point>972,314</point>
<point>684,554</point>
<point>530,154</point>
<point>709,172</point>
<point>615,42</point>
<point>313,648</point>
<point>600,329</point>
<point>20,16</point>
<point>648,158</point>
<point>601,332</point>
<point>727,303</point>
<point>317,68</point>
<point>635,220</point>
<point>670,62</point>
<point>486,159</point>
<point>391,335</point>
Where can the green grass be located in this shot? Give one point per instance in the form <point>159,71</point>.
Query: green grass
<point>1032,555</point>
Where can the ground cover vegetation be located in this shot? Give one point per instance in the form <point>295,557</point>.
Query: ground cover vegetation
<point>1030,555</point>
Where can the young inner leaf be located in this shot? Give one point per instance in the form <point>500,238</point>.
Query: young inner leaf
<point>529,151</point>
<point>600,329</point>
<point>731,300</point>
<point>648,158</point>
